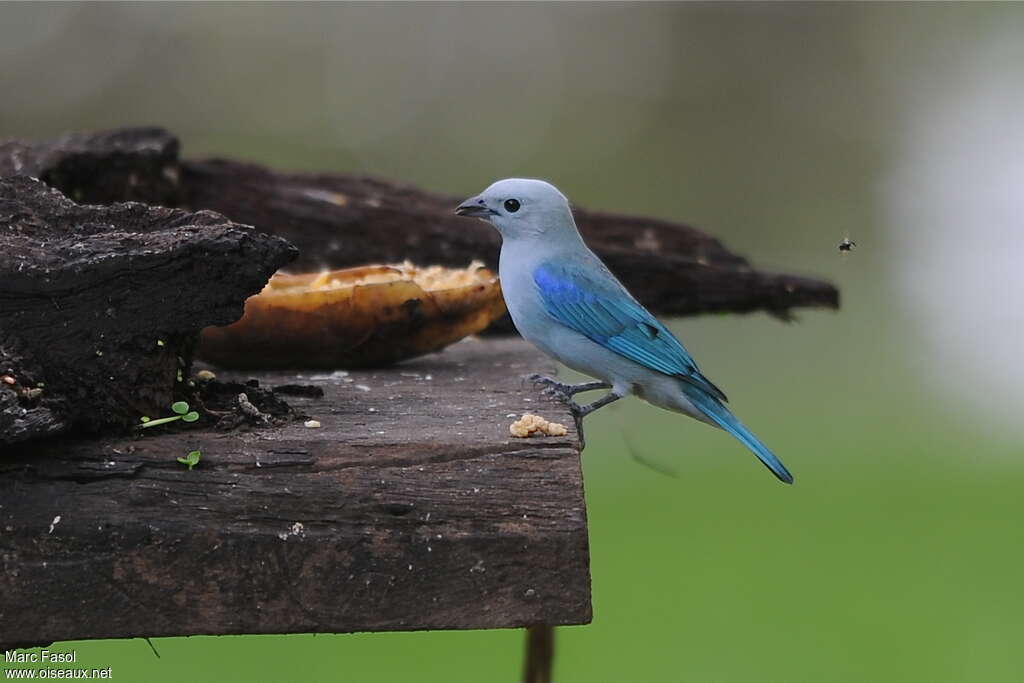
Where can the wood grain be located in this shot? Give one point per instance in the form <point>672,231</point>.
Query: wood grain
<point>410,508</point>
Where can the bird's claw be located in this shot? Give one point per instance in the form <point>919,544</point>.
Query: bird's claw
<point>563,393</point>
<point>553,388</point>
<point>559,394</point>
<point>538,378</point>
<point>577,417</point>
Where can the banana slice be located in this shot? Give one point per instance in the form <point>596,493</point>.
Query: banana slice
<point>355,317</point>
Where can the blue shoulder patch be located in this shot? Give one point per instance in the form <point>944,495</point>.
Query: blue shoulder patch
<point>598,307</point>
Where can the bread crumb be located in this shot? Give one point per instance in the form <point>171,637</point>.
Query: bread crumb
<point>556,429</point>
<point>312,424</point>
<point>529,424</point>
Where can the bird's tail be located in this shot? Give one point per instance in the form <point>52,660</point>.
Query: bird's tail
<point>720,415</point>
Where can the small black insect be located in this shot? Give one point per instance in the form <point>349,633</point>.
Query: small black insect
<point>847,244</point>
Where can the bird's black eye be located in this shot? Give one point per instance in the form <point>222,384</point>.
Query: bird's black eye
<point>511,205</point>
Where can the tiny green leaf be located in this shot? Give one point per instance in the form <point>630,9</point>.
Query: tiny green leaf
<point>179,375</point>
<point>144,419</point>
<point>160,342</point>
<point>190,416</point>
<point>180,407</point>
<point>192,459</point>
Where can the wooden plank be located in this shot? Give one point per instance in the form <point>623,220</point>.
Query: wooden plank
<point>410,508</point>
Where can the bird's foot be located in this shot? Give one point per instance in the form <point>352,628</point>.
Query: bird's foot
<point>577,417</point>
<point>553,388</point>
<point>561,391</point>
<point>565,392</point>
<point>579,412</point>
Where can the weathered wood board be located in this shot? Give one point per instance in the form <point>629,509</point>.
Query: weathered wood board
<point>410,508</point>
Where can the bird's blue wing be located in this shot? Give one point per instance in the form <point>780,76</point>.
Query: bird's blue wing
<point>597,306</point>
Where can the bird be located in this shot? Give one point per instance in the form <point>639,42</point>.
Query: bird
<point>565,301</point>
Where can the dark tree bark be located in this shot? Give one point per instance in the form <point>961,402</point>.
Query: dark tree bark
<point>125,164</point>
<point>339,220</point>
<point>100,306</point>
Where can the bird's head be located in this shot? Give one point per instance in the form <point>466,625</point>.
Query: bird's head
<point>522,208</point>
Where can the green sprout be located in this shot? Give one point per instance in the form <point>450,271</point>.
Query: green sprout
<point>160,342</point>
<point>192,459</point>
<point>180,408</point>
<point>180,377</point>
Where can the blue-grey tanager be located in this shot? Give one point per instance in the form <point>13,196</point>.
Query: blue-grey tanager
<point>563,299</point>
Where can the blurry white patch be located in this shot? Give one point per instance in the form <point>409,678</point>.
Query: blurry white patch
<point>960,178</point>
<point>317,194</point>
<point>331,377</point>
<point>296,529</point>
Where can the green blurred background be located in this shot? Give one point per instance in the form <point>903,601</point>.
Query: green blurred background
<point>780,128</point>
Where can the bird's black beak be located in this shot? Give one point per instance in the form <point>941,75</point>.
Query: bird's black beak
<point>475,207</point>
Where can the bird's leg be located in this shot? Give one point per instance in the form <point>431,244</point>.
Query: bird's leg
<point>565,392</point>
<point>610,397</point>
<point>588,386</point>
<point>579,412</point>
